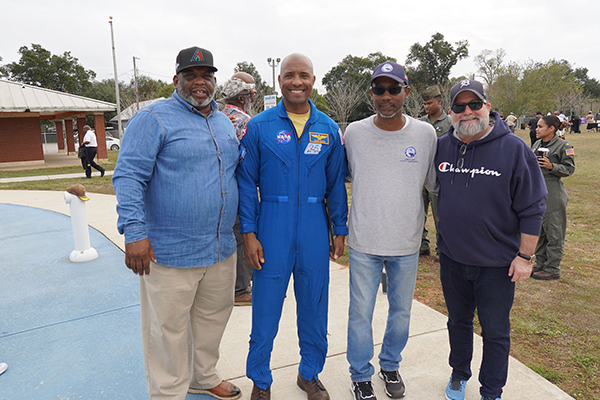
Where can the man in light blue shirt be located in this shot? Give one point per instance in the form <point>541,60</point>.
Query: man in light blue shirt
<point>177,200</point>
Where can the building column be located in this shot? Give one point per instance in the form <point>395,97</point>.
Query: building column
<point>60,139</point>
<point>69,134</point>
<point>81,122</point>
<point>100,136</point>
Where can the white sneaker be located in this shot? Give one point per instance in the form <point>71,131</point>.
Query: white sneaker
<point>3,367</point>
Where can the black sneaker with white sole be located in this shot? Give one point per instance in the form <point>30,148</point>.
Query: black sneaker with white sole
<point>394,387</point>
<point>362,390</point>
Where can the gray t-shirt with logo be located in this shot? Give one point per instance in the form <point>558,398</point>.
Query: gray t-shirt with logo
<point>388,171</point>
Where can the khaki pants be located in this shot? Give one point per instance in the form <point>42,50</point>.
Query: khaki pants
<point>184,314</point>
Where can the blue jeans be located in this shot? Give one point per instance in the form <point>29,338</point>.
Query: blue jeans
<point>365,275</point>
<point>491,292</point>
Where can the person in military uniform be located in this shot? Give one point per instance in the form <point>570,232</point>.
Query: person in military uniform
<point>558,162</point>
<point>441,121</point>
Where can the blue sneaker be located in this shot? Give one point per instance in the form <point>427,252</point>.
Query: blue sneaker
<point>456,389</point>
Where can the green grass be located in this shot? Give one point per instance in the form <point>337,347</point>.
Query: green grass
<point>555,324</point>
<point>96,185</point>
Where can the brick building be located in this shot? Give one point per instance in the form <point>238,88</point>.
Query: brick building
<point>23,106</point>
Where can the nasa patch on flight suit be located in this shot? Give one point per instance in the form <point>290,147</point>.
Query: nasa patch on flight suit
<point>283,137</point>
<point>313,148</point>
<point>320,138</point>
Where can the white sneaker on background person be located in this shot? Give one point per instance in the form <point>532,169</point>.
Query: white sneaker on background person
<point>3,367</point>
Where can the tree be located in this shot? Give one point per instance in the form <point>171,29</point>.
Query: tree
<point>490,66</point>
<point>544,83</point>
<point>318,100</point>
<point>413,105</point>
<point>354,71</point>
<point>505,92</point>
<point>434,60</point>
<point>536,86</point>
<point>39,67</point>
<point>148,89</point>
<point>344,98</point>
<point>591,86</point>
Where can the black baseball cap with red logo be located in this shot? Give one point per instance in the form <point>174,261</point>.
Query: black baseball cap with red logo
<point>194,57</point>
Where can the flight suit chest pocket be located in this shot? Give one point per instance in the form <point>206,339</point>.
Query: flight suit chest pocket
<point>282,153</point>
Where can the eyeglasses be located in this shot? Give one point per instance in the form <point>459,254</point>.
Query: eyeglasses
<point>473,105</point>
<point>394,90</point>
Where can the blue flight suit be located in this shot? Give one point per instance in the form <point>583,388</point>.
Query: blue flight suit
<point>293,176</point>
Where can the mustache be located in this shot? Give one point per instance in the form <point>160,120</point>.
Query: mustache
<point>470,117</point>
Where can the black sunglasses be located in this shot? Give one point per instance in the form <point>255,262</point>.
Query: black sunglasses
<point>473,105</point>
<point>394,90</point>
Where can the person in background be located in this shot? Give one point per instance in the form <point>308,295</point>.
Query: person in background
<point>441,122</point>
<point>511,120</point>
<point>532,125</point>
<point>90,143</point>
<point>575,124</point>
<point>589,119</point>
<point>239,94</point>
<point>557,160</point>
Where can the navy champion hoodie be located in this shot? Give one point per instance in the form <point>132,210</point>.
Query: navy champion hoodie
<point>484,206</point>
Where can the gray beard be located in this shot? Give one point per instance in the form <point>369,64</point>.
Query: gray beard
<point>471,129</point>
<point>190,99</point>
<point>388,116</point>
<point>247,107</point>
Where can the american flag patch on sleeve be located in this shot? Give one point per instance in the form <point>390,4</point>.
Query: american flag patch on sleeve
<point>570,152</point>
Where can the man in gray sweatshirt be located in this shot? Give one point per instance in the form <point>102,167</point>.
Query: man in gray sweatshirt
<point>390,159</point>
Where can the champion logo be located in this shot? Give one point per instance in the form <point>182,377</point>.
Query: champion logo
<point>197,56</point>
<point>448,167</point>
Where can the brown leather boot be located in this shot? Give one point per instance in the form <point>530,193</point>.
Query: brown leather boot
<point>314,389</point>
<point>260,394</point>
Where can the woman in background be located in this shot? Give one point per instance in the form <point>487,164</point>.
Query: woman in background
<point>557,159</point>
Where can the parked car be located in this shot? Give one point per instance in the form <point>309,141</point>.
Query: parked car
<point>112,143</point>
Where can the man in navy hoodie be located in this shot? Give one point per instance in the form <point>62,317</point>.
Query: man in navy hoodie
<point>491,203</point>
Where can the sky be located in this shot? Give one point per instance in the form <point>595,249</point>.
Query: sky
<point>325,30</point>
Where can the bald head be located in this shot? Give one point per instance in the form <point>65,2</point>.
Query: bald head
<point>297,57</point>
<point>243,76</point>
<point>296,80</point>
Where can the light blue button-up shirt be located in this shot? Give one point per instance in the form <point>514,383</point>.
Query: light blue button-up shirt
<point>175,183</point>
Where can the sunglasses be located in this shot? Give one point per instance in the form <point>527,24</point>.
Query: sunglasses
<point>394,90</point>
<point>473,105</point>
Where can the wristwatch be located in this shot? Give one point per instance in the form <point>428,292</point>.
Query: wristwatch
<point>531,258</point>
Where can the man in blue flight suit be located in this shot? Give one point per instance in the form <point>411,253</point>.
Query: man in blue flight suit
<point>294,154</point>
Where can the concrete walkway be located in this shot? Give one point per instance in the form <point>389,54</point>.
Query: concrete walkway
<point>71,331</point>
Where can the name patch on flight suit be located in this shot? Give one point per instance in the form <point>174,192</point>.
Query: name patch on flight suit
<point>313,148</point>
<point>321,138</point>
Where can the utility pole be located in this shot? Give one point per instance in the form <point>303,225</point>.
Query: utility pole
<point>137,94</point>
<point>112,38</point>
<point>273,65</point>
